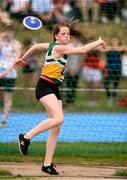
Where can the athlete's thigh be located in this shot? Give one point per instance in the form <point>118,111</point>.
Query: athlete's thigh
<point>57,128</point>
<point>52,105</point>
<point>48,112</point>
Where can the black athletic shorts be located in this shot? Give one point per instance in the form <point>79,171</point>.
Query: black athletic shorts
<point>44,88</point>
<point>7,84</point>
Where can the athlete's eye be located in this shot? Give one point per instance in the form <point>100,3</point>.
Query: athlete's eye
<point>63,34</point>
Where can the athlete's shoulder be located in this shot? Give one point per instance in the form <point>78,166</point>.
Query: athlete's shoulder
<point>53,43</point>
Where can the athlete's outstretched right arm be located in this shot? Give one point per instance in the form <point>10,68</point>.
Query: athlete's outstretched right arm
<point>30,52</point>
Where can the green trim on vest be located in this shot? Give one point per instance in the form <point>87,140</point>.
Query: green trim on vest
<point>51,47</point>
<point>65,56</point>
<point>61,62</point>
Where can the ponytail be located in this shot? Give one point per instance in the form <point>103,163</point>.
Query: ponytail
<point>76,33</point>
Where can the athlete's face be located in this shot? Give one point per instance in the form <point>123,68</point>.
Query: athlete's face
<point>63,37</point>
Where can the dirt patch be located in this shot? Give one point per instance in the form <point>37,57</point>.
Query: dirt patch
<point>66,171</point>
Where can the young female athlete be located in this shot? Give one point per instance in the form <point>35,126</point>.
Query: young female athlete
<point>47,87</point>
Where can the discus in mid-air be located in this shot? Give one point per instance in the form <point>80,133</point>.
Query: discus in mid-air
<point>32,22</point>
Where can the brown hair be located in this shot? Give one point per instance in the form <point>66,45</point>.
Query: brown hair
<point>73,31</point>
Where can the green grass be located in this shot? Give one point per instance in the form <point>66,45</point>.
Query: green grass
<point>87,159</point>
<point>113,154</point>
<point>4,172</point>
<point>121,172</point>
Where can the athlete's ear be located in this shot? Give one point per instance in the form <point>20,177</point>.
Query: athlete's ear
<point>56,37</point>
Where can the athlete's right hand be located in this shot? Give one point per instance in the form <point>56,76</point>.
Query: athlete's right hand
<point>19,64</point>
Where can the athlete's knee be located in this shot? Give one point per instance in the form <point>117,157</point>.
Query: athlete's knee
<point>59,118</point>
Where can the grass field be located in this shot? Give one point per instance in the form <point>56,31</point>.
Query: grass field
<point>110,154</point>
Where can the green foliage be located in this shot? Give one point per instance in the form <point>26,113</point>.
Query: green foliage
<point>121,172</point>
<point>4,172</point>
